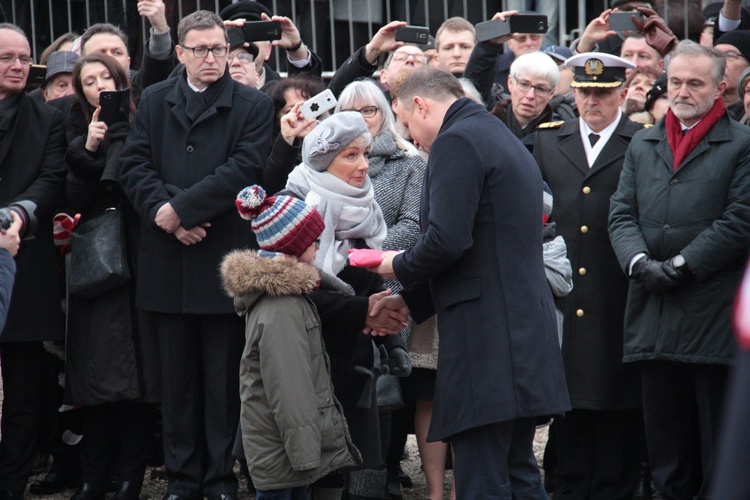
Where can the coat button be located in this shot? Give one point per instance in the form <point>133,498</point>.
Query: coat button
<point>586,190</point>
<point>579,313</point>
<point>666,228</point>
<point>584,229</point>
<point>189,149</point>
<point>674,182</point>
<point>582,271</point>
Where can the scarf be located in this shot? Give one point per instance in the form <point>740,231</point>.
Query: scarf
<point>383,148</point>
<point>683,145</point>
<point>196,103</point>
<point>350,213</point>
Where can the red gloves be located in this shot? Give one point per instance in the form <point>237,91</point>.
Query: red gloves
<point>365,257</point>
<point>655,31</point>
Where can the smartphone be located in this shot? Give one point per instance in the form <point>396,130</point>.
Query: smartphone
<point>529,23</point>
<point>319,104</point>
<point>413,34</point>
<point>236,38</point>
<point>623,21</point>
<point>37,72</point>
<point>260,31</point>
<point>518,23</point>
<point>115,106</point>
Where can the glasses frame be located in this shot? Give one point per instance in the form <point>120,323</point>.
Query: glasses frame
<point>366,112</point>
<point>538,91</point>
<point>212,50</point>
<point>20,59</point>
<point>231,57</point>
<point>418,58</point>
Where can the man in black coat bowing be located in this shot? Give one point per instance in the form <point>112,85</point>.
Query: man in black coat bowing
<point>478,265</point>
<point>198,139</point>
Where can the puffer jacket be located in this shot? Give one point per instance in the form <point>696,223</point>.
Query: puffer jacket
<point>293,428</point>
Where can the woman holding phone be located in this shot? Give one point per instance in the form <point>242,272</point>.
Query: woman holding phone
<point>109,362</point>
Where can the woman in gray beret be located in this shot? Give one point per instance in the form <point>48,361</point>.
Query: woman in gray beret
<point>396,171</point>
<point>333,177</point>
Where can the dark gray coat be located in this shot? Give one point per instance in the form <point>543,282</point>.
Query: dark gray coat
<point>478,265</point>
<point>702,211</point>
<point>199,168</point>
<point>594,310</point>
<point>32,168</point>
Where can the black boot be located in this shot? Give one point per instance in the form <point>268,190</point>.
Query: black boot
<point>643,484</point>
<point>86,491</point>
<point>128,491</point>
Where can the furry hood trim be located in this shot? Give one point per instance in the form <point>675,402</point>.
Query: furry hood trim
<point>243,272</point>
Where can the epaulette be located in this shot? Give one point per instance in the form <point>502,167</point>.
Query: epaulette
<point>550,124</point>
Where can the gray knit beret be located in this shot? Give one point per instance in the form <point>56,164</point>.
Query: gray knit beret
<point>332,135</point>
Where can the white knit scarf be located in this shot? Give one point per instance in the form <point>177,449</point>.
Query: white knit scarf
<point>350,213</point>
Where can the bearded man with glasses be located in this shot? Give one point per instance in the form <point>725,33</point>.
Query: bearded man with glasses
<point>198,139</point>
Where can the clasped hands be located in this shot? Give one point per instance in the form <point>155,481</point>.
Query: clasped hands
<point>657,276</point>
<point>386,314</point>
<point>168,220</point>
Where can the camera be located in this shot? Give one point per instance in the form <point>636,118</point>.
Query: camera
<point>25,210</point>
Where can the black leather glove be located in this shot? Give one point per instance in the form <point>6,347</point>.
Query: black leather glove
<point>652,274</point>
<point>399,362</point>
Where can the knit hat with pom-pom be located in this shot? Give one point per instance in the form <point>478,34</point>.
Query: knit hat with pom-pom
<point>281,223</point>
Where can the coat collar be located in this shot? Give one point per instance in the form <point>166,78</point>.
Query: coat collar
<point>176,98</point>
<point>571,147</point>
<point>721,132</point>
<point>462,108</point>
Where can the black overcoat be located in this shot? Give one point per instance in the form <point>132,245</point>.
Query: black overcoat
<point>199,167</point>
<point>595,308</point>
<point>481,255</point>
<point>32,168</point>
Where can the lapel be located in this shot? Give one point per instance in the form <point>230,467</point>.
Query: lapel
<point>571,147</point>
<point>20,122</point>
<point>614,151</point>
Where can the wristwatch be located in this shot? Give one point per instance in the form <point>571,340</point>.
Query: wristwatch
<point>678,262</point>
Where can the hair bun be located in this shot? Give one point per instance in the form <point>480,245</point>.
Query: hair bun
<point>250,201</point>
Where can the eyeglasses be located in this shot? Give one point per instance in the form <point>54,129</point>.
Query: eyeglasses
<point>11,58</point>
<point>733,56</point>
<point>317,244</point>
<point>403,56</point>
<point>524,86</point>
<point>367,111</point>
<point>202,52</point>
<point>243,58</point>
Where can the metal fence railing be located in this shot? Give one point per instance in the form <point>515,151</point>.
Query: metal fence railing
<point>332,28</point>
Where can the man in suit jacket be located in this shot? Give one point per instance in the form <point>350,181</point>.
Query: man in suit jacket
<point>32,144</point>
<point>198,139</point>
<point>597,443</point>
<point>478,265</point>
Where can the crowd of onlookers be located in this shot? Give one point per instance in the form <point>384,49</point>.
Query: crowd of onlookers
<point>256,338</point>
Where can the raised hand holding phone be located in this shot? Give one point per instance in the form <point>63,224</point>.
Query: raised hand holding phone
<point>97,131</point>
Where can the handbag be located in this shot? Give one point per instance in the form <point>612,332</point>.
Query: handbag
<point>98,255</point>
<point>389,394</point>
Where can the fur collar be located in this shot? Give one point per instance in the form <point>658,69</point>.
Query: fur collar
<point>244,273</point>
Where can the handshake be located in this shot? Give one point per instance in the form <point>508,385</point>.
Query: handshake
<point>660,277</point>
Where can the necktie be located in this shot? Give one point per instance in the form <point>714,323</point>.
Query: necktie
<point>593,138</point>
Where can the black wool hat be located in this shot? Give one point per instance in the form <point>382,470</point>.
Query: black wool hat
<point>740,39</point>
<point>244,9</point>
<point>659,88</point>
